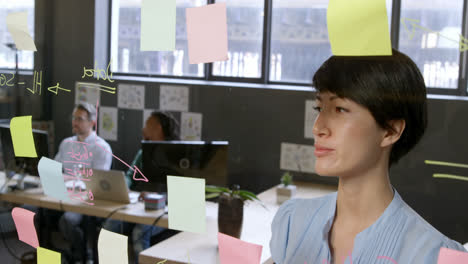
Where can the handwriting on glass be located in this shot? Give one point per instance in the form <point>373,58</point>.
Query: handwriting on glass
<point>463,42</point>
<point>37,84</point>
<point>78,158</point>
<point>100,87</point>
<point>5,81</point>
<point>100,73</point>
<point>135,169</point>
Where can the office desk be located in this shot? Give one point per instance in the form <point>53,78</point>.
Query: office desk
<point>187,247</point>
<point>134,213</point>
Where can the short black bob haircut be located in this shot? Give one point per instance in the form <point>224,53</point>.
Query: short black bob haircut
<point>169,125</point>
<point>390,87</point>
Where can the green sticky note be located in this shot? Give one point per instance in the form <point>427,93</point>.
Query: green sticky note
<point>22,136</point>
<point>186,204</point>
<point>53,184</point>
<point>358,28</point>
<point>158,25</point>
<point>46,256</point>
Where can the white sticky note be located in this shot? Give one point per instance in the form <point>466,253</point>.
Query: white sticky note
<point>17,24</point>
<point>191,126</point>
<point>112,247</point>
<point>158,25</point>
<point>186,204</point>
<point>174,98</point>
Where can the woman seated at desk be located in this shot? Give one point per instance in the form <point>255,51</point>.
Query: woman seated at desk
<point>372,111</point>
<point>158,127</point>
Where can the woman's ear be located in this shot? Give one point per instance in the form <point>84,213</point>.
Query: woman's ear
<point>392,135</point>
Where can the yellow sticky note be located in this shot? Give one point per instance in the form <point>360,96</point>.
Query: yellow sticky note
<point>112,247</point>
<point>46,256</point>
<point>22,136</point>
<point>186,204</point>
<point>358,28</point>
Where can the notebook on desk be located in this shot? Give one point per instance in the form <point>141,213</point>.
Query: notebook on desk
<point>110,186</point>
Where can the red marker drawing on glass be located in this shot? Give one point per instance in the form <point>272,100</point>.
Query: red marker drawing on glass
<point>135,169</point>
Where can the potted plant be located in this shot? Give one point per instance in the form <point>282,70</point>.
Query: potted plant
<point>230,207</point>
<point>286,190</point>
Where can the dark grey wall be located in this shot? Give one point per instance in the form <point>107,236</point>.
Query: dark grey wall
<point>256,121</point>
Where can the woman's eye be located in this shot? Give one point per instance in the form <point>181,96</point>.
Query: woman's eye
<point>341,109</point>
<point>317,108</point>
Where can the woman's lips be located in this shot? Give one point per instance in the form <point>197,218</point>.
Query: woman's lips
<point>321,151</point>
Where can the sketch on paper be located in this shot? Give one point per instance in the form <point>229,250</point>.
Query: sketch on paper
<point>174,98</point>
<point>131,96</point>
<point>191,126</point>
<point>108,123</point>
<point>295,157</point>
<point>86,92</point>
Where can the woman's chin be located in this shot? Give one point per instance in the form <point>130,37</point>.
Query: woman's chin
<point>326,172</point>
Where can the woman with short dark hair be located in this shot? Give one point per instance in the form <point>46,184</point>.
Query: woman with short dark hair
<point>372,111</point>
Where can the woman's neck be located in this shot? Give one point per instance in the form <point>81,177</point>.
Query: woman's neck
<point>362,199</point>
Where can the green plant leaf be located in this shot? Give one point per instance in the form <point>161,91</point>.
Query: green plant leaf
<point>216,189</point>
<point>211,195</point>
<point>252,197</point>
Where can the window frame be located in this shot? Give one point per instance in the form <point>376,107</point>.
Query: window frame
<point>461,90</point>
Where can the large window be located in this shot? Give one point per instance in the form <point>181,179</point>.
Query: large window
<point>7,54</point>
<point>245,35</point>
<point>434,45</point>
<point>126,54</point>
<point>297,41</point>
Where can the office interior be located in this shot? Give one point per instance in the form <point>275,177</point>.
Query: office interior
<point>257,110</point>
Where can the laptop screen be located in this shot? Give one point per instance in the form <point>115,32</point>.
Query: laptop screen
<point>198,159</point>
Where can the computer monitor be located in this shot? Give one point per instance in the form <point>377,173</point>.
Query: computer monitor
<point>23,164</point>
<point>198,159</point>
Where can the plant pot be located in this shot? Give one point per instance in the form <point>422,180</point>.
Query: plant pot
<point>230,215</point>
<point>284,193</point>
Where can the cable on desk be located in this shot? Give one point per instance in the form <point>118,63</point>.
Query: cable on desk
<point>112,213</point>
<point>153,224</point>
<point>6,245</point>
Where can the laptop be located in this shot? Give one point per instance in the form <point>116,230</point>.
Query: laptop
<point>110,186</point>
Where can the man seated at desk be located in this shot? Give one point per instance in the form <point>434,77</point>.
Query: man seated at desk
<point>98,157</point>
<point>159,126</point>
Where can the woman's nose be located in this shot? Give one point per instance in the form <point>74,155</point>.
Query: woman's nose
<point>320,126</point>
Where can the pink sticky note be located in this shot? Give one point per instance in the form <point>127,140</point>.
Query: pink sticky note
<point>207,33</point>
<point>235,251</point>
<point>450,256</point>
<point>24,222</point>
